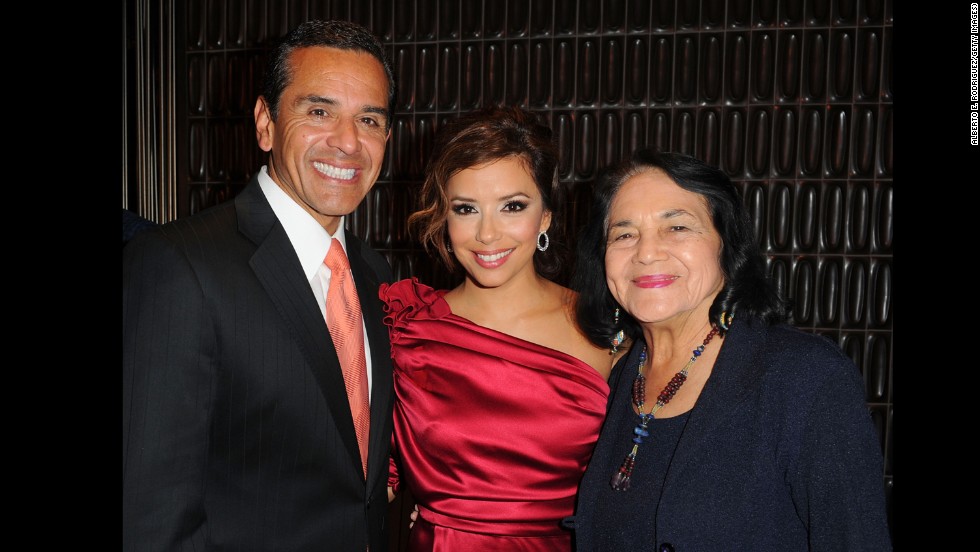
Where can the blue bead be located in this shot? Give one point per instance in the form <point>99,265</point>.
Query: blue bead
<point>641,432</point>
<point>697,353</point>
<point>638,440</point>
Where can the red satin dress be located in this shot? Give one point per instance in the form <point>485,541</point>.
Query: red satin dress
<point>492,433</point>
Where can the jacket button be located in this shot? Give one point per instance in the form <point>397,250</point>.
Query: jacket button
<point>665,547</point>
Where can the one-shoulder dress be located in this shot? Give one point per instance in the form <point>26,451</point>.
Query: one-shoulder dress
<point>491,433</point>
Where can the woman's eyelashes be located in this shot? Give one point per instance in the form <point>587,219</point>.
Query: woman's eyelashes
<point>514,206</point>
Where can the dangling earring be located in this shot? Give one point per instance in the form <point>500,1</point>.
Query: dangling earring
<point>449,247</point>
<point>725,320</point>
<point>547,241</point>
<point>617,339</point>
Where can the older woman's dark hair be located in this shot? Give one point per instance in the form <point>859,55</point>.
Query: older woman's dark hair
<point>748,291</point>
<point>477,138</point>
<point>342,35</point>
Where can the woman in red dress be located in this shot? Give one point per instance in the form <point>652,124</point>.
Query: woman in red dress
<point>500,396</point>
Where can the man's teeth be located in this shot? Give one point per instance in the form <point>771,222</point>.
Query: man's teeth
<point>334,172</point>
<point>494,257</point>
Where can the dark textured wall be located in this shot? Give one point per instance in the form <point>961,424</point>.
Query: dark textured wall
<point>792,98</point>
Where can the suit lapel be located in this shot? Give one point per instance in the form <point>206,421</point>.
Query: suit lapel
<point>279,272</point>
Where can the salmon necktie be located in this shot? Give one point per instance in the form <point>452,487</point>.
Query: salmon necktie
<point>346,331</point>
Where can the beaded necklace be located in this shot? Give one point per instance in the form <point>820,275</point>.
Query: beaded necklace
<point>621,479</point>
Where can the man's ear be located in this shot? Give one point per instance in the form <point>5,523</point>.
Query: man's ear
<point>264,125</point>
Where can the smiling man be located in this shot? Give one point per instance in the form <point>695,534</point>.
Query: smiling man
<point>257,390</point>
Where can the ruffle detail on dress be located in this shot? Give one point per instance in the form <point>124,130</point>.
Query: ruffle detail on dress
<point>407,300</point>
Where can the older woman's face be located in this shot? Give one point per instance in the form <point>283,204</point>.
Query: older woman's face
<point>662,250</point>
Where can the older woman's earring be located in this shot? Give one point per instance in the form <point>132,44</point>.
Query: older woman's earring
<point>725,320</point>
<point>547,241</point>
<point>617,339</point>
<point>449,247</point>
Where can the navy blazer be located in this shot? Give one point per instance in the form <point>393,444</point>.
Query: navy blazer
<point>237,433</point>
<point>779,453</point>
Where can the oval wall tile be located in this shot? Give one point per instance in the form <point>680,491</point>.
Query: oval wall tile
<point>565,11</point>
<point>757,206</point>
<point>448,84</point>
<point>426,78</point>
<point>404,68</point>
<point>684,132</point>
<point>736,68</point>
<point>217,157</point>
<point>764,12</point>
<point>425,19</point>
<point>855,292</point>
<point>709,136</point>
<point>687,70</point>
<point>542,13</point>
<point>612,82</point>
<point>196,144</point>
<point>472,71</point>
<point>493,18</point>
<point>868,56</point>
<point>785,141</point>
<point>217,95</point>
<point>818,13</point>
<point>610,145</point>
<point>662,16</point>
<point>734,137</point>
<point>216,25</point>
<point>779,274</point>
<point>196,84</point>
<point>829,292</point>
<point>236,24</point>
<point>635,133</point>
<point>763,57</point>
<point>780,218</point>
<point>886,66</point>
<point>739,13</point>
<point>586,145</point>
<point>688,14</point>
<point>564,73</point>
<point>852,344</point>
<point>449,19</point>
<point>789,61</point>
<point>815,67</point>
<point>494,76</point>
<point>711,68</point>
<point>885,143</point>
<point>540,76</point>
<point>638,18</point>
<point>713,14</point>
<point>838,125</point>
<point>564,131</point>
<point>636,70</point>
<point>404,20</point>
<point>256,15</point>
<point>832,217</point>
<point>790,13</point>
<point>759,138</point>
<point>807,217</point>
<point>881,294</point>
<point>471,24</point>
<point>613,15</point>
<point>401,138</point>
<point>240,99</point>
<point>517,67</point>
<point>879,364</point>
<point>883,216</point>
<point>865,126</point>
<point>858,217</point>
<point>590,13</point>
<point>660,130</point>
<point>588,75</point>
<point>842,55</point>
<point>803,289</point>
<point>844,12</point>
<point>661,70</point>
<point>811,154</point>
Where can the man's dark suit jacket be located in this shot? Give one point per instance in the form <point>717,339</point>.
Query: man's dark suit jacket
<point>237,433</point>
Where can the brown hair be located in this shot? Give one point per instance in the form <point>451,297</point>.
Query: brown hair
<point>477,138</point>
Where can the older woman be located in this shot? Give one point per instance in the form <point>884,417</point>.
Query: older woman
<point>727,429</point>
